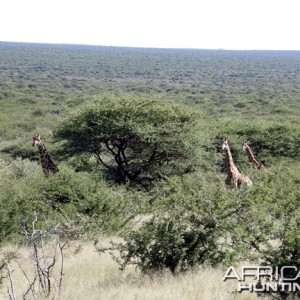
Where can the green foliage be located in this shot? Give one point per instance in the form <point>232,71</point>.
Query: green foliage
<point>278,139</point>
<point>24,167</point>
<point>270,141</point>
<point>191,228</point>
<point>17,201</point>
<point>285,216</point>
<point>135,138</point>
<point>77,201</point>
<point>170,243</point>
<point>200,221</point>
<point>18,148</point>
<point>251,95</point>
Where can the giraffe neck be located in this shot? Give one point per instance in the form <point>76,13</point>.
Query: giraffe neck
<point>231,168</point>
<point>252,157</point>
<point>46,161</point>
<point>43,151</point>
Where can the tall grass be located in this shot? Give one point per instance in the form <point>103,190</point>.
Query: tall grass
<point>89,275</point>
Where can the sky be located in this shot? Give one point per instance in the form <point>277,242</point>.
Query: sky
<point>202,24</point>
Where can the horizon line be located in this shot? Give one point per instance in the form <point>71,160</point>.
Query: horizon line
<point>144,47</point>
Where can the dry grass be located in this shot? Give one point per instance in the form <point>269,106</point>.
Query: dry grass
<point>89,275</point>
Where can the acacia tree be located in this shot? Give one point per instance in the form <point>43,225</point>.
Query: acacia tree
<point>136,138</point>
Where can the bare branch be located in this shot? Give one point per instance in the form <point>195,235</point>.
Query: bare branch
<point>44,265</point>
<point>61,248</point>
<point>10,289</point>
<point>31,284</point>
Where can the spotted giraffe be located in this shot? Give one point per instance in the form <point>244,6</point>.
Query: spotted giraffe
<point>46,161</point>
<point>256,162</point>
<point>234,177</point>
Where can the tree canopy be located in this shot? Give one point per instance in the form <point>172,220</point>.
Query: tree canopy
<point>136,138</point>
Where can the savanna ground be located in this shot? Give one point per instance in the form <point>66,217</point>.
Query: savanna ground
<point>253,95</point>
<point>88,276</point>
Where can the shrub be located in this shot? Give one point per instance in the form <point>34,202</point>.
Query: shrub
<point>190,220</point>
<point>270,139</point>
<point>24,167</point>
<point>167,243</point>
<point>18,148</point>
<point>198,220</point>
<point>80,202</point>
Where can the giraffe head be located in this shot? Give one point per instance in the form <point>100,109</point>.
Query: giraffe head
<point>225,144</point>
<point>36,140</point>
<point>245,145</point>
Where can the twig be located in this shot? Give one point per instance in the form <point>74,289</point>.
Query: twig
<point>31,284</point>
<point>11,291</point>
<point>61,248</point>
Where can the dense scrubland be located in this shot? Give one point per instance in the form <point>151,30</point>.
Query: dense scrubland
<point>173,223</point>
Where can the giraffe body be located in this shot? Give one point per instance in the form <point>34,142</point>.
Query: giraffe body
<point>256,162</point>
<point>234,177</point>
<point>48,165</point>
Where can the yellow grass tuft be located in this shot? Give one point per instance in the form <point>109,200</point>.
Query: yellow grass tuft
<point>91,276</point>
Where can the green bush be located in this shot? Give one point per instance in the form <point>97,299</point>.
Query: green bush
<point>77,201</point>
<point>19,148</point>
<point>199,220</point>
<point>78,193</point>
<point>24,167</point>
<point>169,243</point>
<point>191,217</point>
<point>19,199</point>
<point>269,139</point>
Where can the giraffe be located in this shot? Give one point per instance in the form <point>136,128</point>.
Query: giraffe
<point>256,162</point>
<point>234,177</point>
<point>46,161</point>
